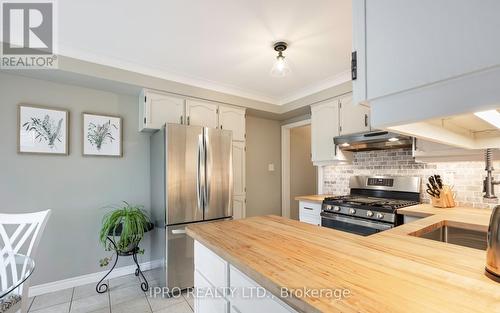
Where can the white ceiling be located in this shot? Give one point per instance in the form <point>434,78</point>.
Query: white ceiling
<point>225,45</point>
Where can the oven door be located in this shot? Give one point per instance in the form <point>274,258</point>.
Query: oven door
<point>353,225</point>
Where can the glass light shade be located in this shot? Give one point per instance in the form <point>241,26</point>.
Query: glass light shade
<point>280,67</point>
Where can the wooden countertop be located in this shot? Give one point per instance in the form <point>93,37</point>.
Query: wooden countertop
<point>313,198</point>
<point>391,271</point>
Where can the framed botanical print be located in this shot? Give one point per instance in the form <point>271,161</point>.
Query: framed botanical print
<point>42,130</point>
<point>102,135</point>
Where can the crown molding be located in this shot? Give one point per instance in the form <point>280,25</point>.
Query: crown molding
<point>104,60</point>
<point>165,74</point>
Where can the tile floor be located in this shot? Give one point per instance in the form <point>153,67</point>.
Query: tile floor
<point>124,296</point>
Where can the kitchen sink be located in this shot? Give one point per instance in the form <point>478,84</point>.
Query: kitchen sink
<point>455,235</point>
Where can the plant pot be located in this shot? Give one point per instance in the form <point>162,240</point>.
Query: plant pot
<point>131,249</point>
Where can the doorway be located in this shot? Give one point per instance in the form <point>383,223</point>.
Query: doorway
<point>299,175</point>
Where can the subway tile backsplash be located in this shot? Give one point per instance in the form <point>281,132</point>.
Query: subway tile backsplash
<point>465,177</point>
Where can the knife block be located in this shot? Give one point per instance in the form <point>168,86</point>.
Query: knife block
<point>446,198</point>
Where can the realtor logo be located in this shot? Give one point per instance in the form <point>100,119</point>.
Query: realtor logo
<point>28,34</point>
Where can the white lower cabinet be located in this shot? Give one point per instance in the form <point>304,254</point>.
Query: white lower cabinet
<point>309,212</point>
<point>409,219</point>
<point>213,274</point>
<point>207,298</point>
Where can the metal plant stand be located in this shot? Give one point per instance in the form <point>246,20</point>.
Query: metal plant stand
<point>102,287</point>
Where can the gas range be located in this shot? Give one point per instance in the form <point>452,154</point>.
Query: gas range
<point>372,204</point>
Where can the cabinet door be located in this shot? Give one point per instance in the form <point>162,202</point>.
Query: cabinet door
<point>208,299</point>
<point>354,118</point>
<point>239,207</point>
<point>239,185</point>
<point>416,43</point>
<point>324,126</point>
<point>158,109</point>
<point>201,113</point>
<point>233,119</point>
<point>359,48</point>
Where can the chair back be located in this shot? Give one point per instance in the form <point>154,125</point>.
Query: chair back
<point>19,233</point>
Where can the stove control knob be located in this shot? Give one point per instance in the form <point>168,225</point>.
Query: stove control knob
<point>369,213</point>
<point>336,208</point>
<point>352,211</point>
<point>328,207</point>
<point>380,216</point>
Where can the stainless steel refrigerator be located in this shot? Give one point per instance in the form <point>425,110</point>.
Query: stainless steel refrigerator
<point>191,182</point>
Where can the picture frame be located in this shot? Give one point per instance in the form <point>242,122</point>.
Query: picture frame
<point>42,130</point>
<point>102,135</point>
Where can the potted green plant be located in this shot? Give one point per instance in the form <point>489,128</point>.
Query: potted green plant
<point>122,229</point>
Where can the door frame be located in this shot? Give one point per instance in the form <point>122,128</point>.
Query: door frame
<point>285,164</point>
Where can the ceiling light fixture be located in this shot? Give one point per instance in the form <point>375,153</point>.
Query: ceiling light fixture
<point>490,116</point>
<point>393,139</point>
<point>280,67</point>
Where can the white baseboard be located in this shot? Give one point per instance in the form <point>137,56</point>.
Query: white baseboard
<point>89,278</point>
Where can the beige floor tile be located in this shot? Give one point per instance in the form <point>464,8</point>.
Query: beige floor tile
<point>123,281</point>
<point>159,302</point>
<point>51,299</point>
<point>125,294</point>
<point>139,305</point>
<point>90,304</point>
<point>86,291</point>
<point>58,308</point>
<point>181,307</point>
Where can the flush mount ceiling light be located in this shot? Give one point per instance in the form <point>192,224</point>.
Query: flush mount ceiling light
<point>490,116</point>
<point>393,139</point>
<point>280,67</point>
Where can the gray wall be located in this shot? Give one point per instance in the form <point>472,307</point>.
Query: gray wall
<point>302,171</point>
<point>76,188</point>
<point>263,147</point>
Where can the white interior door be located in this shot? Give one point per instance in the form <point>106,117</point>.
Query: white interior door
<point>202,113</point>
<point>233,119</point>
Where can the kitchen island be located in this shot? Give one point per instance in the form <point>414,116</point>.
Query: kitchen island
<point>392,271</point>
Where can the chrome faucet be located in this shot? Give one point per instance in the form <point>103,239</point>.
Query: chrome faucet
<point>489,182</point>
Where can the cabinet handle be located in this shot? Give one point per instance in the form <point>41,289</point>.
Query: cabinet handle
<point>311,209</point>
<point>188,120</point>
<point>366,120</point>
<point>182,119</point>
<point>221,127</point>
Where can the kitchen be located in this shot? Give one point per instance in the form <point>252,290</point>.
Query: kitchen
<point>404,137</point>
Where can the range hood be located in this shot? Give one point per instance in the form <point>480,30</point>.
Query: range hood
<point>375,140</point>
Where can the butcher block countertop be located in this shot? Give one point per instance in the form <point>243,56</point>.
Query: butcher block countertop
<point>313,198</point>
<point>392,271</point>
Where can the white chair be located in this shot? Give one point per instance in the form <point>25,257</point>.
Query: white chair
<point>20,233</point>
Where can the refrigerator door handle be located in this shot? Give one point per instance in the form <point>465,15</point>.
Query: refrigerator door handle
<point>208,169</point>
<point>199,171</point>
<point>179,231</point>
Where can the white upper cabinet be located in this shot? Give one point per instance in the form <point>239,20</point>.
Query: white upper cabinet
<point>202,113</point>
<point>354,118</point>
<point>233,119</point>
<point>409,45</point>
<point>157,109</point>
<point>420,63</point>
<point>324,127</point>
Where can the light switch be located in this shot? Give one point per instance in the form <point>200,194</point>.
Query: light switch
<point>270,167</point>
